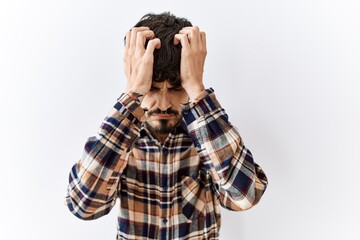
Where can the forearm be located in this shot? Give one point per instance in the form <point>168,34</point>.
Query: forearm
<point>238,180</point>
<point>93,180</point>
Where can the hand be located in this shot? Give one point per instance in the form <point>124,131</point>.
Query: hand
<point>138,61</point>
<point>193,54</point>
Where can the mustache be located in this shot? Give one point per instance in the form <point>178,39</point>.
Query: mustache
<point>159,111</point>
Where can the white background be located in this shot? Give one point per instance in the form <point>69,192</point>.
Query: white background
<point>286,72</point>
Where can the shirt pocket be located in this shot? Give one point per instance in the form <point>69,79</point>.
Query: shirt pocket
<point>196,194</point>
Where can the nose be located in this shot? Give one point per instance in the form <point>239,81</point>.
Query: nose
<point>163,101</point>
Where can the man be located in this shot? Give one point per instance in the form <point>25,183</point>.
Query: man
<point>166,148</point>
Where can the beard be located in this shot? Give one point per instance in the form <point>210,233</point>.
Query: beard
<point>163,126</point>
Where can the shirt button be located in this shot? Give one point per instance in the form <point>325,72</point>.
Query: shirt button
<point>164,220</point>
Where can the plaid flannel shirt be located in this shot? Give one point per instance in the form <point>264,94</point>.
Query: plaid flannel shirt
<point>171,190</point>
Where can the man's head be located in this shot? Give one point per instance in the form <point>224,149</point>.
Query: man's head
<point>167,57</point>
<point>166,94</point>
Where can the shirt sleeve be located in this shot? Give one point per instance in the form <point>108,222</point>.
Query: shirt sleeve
<point>237,180</point>
<point>94,179</point>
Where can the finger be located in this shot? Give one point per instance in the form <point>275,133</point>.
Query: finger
<point>127,44</point>
<point>134,32</point>
<point>192,27</point>
<point>152,44</point>
<point>203,40</point>
<point>183,39</point>
<point>141,38</point>
<point>127,39</point>
<point>193,35</point>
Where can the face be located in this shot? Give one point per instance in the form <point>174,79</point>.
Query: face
<point>163,107</point>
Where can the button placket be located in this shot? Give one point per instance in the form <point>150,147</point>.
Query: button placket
<point>164,183</point>
<point>164,160</point>
<point>165,151</point>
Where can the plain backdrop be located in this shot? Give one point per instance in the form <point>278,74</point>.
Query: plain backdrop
<point>286,72</point>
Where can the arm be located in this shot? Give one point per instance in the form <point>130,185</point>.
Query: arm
<point>94,179</point>
<point>238,181</point>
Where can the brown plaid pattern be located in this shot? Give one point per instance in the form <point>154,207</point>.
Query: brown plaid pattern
<point>167,191</point>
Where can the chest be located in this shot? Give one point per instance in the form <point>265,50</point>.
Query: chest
<point>159,165</point>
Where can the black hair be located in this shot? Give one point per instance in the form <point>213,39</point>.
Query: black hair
<point>166,59</point>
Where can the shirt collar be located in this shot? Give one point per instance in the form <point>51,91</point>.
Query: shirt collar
<point>177,130</point>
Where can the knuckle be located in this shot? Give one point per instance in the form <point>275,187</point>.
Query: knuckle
<point>145,33</point>
<point>139,29</point>
<point>135,30</point>
<point>153,42</point>
<point>150,43</point>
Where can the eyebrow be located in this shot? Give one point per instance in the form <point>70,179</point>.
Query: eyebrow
<point>172,87</point>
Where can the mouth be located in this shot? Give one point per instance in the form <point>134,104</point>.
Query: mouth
<point>163,116</point>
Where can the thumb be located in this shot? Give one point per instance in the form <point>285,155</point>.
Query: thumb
<point>152,44</point>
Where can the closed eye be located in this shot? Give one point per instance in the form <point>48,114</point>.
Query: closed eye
<point>154,88</point>
<point>176,89</point>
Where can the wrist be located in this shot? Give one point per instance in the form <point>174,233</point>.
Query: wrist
<point>195,91</point>
<point>135,96</point>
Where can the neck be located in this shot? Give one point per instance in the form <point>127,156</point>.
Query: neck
<point>161,137</point>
